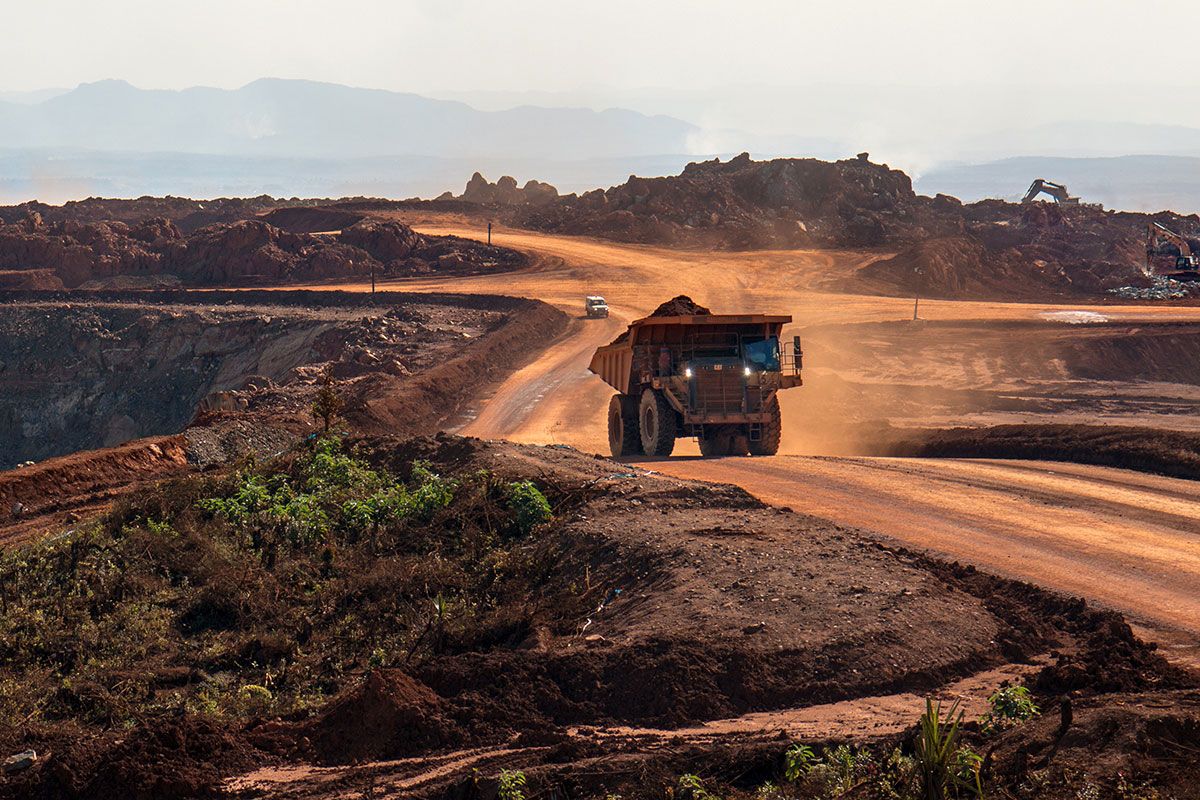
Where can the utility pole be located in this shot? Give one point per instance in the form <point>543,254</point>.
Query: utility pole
<point>916,292</point>
<point>489,233</point>
<point>372,276</point>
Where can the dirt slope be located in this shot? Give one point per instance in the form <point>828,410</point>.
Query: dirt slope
<point>753,619</point>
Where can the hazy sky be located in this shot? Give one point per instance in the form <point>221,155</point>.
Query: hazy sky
<point>429,46</point>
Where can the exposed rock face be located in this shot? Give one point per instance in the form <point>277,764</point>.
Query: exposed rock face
<point>70,253</point>
<point>505,192</point>
<point>79,371</point>
<point>100,376</point>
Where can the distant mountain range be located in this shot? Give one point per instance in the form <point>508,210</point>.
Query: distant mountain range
<point>303,119</point>
<point>1133,183</point>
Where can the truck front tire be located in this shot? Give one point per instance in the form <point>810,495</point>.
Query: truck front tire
<point>771,432</point>
<point>657,421</point>
<point>624,436</point>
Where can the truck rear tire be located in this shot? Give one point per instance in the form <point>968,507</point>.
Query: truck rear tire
<point>624,436</point>
<point>657,421</point>
<point>771,432</point>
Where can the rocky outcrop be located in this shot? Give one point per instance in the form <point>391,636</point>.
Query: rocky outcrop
<point>505,192</point>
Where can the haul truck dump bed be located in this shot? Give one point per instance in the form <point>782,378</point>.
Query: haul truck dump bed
<point>710,376</point>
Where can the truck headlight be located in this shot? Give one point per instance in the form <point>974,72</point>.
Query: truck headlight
<point>687,372</point>
<point>749,372</point>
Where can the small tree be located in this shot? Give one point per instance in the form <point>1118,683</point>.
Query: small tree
<point>328,403</point>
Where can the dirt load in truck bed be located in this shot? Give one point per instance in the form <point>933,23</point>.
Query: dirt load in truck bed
<point>681,306</point>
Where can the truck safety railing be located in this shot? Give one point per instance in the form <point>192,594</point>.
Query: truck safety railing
<point>791,359</point>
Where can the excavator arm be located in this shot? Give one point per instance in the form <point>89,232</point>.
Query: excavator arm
<point>1158,234</point>
<point>1035,189</point>
<point>1056,190</point>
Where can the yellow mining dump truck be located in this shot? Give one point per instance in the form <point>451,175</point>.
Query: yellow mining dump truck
<point>714,377</point>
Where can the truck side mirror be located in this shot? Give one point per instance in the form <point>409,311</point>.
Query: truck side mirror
<point>798,352</point>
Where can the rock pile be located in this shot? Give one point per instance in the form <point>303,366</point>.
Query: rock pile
<point>1161,288</point>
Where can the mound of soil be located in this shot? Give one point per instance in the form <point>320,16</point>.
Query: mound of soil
<point>680,306</point>
<point>1110,658</point>
<point>159,759</point>
<point>388,715</point>
<point>36,279</point>
<point>1104,656</point>
<point>727,606</point>
<point>1030,264</point>
<point>656,601</point>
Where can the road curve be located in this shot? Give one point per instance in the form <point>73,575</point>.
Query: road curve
<point>1124,540</point>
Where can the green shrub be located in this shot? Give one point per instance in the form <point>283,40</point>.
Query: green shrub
<point>692,788</point>
<point>255,698</point>
<point>431,494</point>
<point>798,760</point>
<point>512,785</point>
<point>529,505</point>
<point>1009,705</point>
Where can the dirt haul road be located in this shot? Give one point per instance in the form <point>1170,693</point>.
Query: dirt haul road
<point>1126,540</point>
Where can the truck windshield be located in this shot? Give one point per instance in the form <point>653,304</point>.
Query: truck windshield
<point>762,355</point>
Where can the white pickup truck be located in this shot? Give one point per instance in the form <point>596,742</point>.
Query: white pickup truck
<point>595,306</point>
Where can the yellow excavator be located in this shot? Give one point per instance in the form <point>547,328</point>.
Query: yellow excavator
<point>1161,242</point>
<point>1056,190</point>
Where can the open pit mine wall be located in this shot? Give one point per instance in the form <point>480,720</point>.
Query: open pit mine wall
<point>114,366</point>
